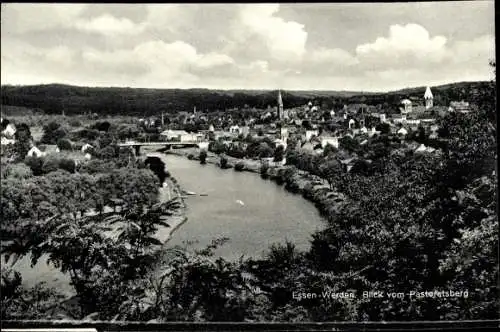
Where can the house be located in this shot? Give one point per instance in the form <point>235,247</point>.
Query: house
<point>234,130</point>
<point>86,147</point>
<point>333,141</point>
<point>278,142</point>
<point>351,123</point>
<point>88,156</point>
<point>7,141</point>
<point>402,131</point>
<point>311,133</point>
<point>182,136</point>
<point>9,131</point>
<point>422,149</point>
<point>406,106</point>
<point>245,130</point>
<point>35,152</point>
<point>373,132</point>
<point>364,130</point>
<point>459,106</point>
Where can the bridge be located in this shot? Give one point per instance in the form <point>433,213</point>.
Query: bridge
<point>167,144</point>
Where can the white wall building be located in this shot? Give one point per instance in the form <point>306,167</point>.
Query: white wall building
<point>333,141</point>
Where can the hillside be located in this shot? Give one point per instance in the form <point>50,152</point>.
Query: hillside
<point>54,98</point>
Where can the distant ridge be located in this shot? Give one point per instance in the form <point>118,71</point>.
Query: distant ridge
<point>54,98</point>
<point>316,92</point>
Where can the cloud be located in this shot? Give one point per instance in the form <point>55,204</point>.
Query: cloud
<point>404,45</point>
<point>110,26</point>
<point>241,45</point>
<point>21,18</point>
<point>285,40</point>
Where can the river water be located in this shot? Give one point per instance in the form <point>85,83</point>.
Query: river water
<point>253,213</point>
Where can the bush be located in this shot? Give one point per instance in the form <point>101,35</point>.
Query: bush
<point>35,163</point>
<point>223,162</point>
<point>263,171</point>
<point>16,171</point>
<point>64,144</point>
<point>240,166</point>
<point>50,164</point>
<point>75,123</point>
<point>67,165</point>
<point>107,153</point>
<point>203,157</point>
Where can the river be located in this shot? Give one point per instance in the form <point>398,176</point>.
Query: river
<point>253,213</point>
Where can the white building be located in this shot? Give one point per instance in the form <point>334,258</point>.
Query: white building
<point>9,131</point>
<point>407,106</point>
<point>182,136</point>
<point>234,129</point>
<point>35,152</point>
<point>311,133</point>
<point>333,141</point>
<point>86,147</point>
<point>402,131</point>
<point>7,141</point>
<point>351,123</point>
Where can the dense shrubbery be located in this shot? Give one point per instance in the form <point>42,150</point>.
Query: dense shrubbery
<point>64,144</point>
<point>240,166</point>
<point>203,157</point>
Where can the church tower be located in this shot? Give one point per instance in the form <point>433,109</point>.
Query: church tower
<point>429,98</point>
<point>280,105</point>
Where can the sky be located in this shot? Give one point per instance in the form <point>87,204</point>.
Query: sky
<point>323,46</point>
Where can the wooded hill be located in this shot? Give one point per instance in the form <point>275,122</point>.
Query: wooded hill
<point>54,98</point>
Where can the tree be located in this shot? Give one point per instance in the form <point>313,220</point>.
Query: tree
<point>64,144</point>
<point>23,141</point>
<point>203,157</point>
<point>332,171</point>
<point>16,171</point>
<point>240,166</point>
<point>67,165</point>
<point>50,164</point>
<point>279,153</point>
<point>53,132</point>
<point>36,164</point>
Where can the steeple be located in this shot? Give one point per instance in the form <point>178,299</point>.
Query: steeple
<point>429,98</point>
<point>280,106</point>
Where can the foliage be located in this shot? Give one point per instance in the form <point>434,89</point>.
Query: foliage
<point>223,162</point>
<point>279,153</point>
<point>67,165</point>
<point>64,144</point>
<point>17,171</point>
<point>52,132</point>
<point>240,166</point>
<point>203,157</point>
<point>35,163</point>
<point>23,142</point>
<point>17,302</point>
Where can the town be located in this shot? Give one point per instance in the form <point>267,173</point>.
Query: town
<point>229,165</point>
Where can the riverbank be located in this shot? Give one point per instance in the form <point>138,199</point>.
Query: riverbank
<point>212,158</point>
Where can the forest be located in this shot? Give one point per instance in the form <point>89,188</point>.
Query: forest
<point>56,98</point>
